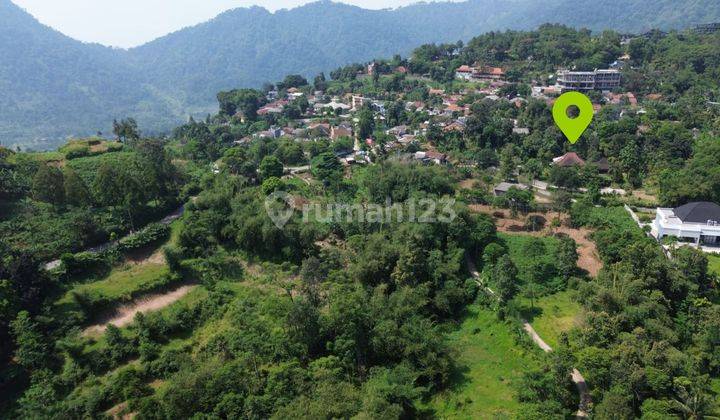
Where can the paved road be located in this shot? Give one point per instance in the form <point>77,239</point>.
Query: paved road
<point>577,378</point>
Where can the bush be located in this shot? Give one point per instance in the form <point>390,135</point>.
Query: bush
<point>84,261</point>
<point>77,151</point>
<point>151,234</point>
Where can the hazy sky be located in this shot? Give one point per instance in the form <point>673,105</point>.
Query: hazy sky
<point>127,23</point>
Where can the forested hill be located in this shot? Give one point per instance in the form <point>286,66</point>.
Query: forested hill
<point>53,86</point>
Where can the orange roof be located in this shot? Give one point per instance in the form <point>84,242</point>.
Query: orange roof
<point>465,69</point>
<point>454,108</point>
<point>496,71</point>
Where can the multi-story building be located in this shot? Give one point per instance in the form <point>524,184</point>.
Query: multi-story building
<point>588,80</point>
<point>708,28</point>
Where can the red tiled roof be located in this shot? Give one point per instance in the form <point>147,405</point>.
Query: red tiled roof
<point>569,159</point>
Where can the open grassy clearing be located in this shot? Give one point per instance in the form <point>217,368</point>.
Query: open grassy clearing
<point>121,282</point>
<point>552,315</point>
<point>490,362</point>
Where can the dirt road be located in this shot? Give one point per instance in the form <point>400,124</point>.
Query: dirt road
<point>124,315</point>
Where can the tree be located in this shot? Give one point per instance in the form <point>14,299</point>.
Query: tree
<point>292,81</point>
<point>270,167</point>
<point>270,185</point>
<point>327,168</point>
<point>238,163</point>
<point>126,129</point>
<point>508,161</point>
<point>118,346</point>
<point>47,185</point>
<point>32,349</point>
<point>566,257</point>
<point>562,201</point>
<point>243,101</point>
<point>532,291</point>
<point>76,192</point>
<point>505,279</point>
<point>366,122</point>
<point>320,83</point>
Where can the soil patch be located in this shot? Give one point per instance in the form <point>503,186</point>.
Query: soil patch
<point>589,259</point>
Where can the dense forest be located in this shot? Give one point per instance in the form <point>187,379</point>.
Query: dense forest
<point>80,88</point>
<point>348,317</point>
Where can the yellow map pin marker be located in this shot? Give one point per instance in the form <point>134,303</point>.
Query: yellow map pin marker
<point>573,127</point>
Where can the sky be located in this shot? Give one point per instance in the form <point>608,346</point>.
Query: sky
<point>128,23</point>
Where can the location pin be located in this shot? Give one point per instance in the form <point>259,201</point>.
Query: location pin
<point>573,127</point>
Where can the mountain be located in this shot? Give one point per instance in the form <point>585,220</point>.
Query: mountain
<point>53,86</point>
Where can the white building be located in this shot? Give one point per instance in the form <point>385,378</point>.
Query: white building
<point>698,222</point>
<point>583,81</point>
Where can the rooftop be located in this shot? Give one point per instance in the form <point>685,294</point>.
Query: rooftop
<point>698,212</point>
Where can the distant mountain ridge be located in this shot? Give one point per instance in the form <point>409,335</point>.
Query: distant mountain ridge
<point>53,86</point>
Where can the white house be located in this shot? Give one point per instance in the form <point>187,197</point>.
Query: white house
<point>698,222</point>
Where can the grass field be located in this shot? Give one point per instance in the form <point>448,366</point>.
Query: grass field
<point>552,315</point>
<point>122,282</point>
<point>489,363</point>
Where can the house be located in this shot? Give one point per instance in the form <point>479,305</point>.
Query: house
<point>568,159</point>
<point>503,187</point>
<point>464,72</point>
<point>358,102</point>
<point>340,131</point>
<point>490,73</point>
<point>698,222</point>
<point>602,164</point>
<point>707,28</point>
<point>397,131</point>
<point>272,133</point>
<point>436,157</point>
<point>319,130</point>
<point>523,131</point>
<point>333,105</point>
<point>453,107</point>
<point>431,156</point>
<point>458,126</point>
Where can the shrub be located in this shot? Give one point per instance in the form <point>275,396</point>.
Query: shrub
<point>77,151</point>
<point>84,261</point>
<point>151,234</point>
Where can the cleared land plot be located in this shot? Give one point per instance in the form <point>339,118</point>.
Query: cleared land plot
<point>489,363</point>
<point>589,259</point>
<point>553,315</point>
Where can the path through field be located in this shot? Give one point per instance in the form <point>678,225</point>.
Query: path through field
<point>124,315</point>
<point>577,378</point>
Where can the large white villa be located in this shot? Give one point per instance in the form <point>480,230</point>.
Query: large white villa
<point>694,222</point>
